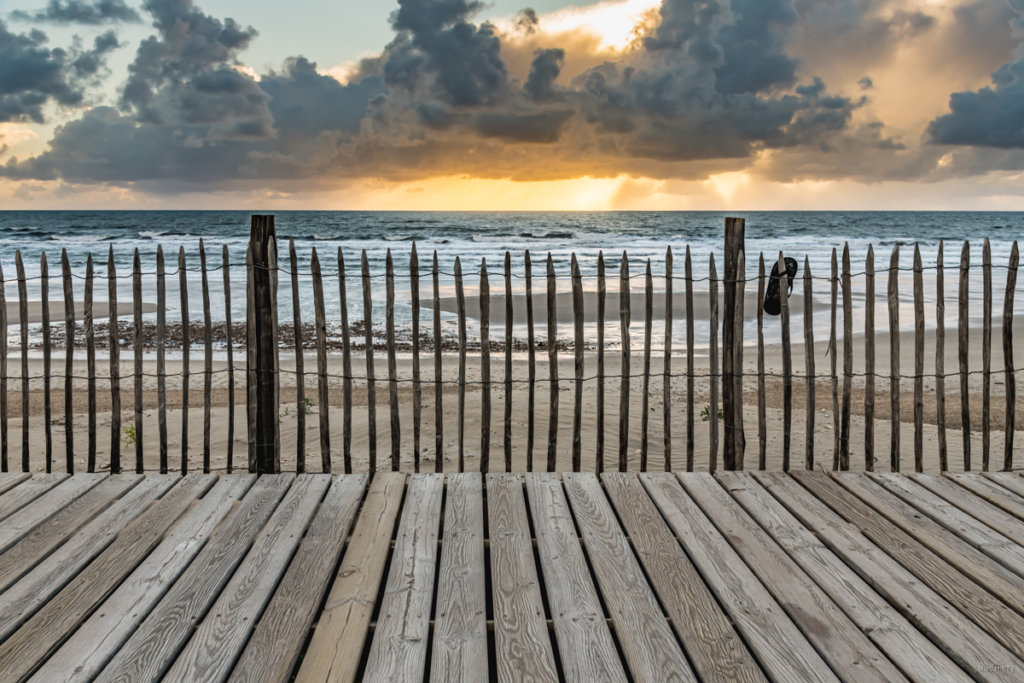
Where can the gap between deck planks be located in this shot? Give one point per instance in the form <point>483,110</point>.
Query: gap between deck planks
<point>645,577</point>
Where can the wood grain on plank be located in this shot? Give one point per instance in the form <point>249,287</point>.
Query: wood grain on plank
<point>334,651</point>
<point>43,508</point>
<point>40,533</point>
<point>63,613</point>
<point>841,643</point>
<point>31,592</point>
<point>991,491</point>
<point>586,648</point>
<point>906,646</point>
<point>781,648</point>
<point>937,538</point>
<point>276,644</point>
<point>146,655</point>
<point>969,646</point>
<point>100,636</point>
<point>651,651</point>
<point>521,641</point>
<point>973,601</point>
<point>1008,481</point>
<point>460,621</point>
<point>714,647</point>
<point>28,491</point>
<point>399,648</point>
<point>8,480</point>
<point>223,633</point>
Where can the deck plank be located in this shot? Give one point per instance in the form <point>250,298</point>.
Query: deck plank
<point>147,654</point>
<point>904,644</point>
<point>707,634</point>
<point>220,637</point>
<point>964,642</point>
<point>782,649</point>
<point>947,504</point>
<point>1008,480</point>
<point>1006,530</point>
<point>49,627</point>
<point>651,650</point>
<point>967,558</point>
<point>521,641</point>
<point>8,480</point>
<point>23,494</point>
<point>276,643</point>
<point>103,633</point>
<point>990,490</point>
<point>460,621</point>
<point>398,651</point>
<point>839,641</point>
<point>586,649</point>
<point>340,635</point>
<point>43,508</point>
<point>28,594</point>
<point>973,601</point>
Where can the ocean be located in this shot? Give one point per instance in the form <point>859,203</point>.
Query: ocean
<point>473,236</point>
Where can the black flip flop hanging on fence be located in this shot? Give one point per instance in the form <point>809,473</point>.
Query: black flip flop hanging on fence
<point>772,300</point>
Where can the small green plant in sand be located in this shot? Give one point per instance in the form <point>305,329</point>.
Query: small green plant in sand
<point>705,413</point>
<point>128,435</point>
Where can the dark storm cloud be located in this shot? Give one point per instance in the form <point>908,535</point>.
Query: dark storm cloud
<point>527,20</point>
<point>82,12</point>
<point>185,74</point>
<point>541,127</point>
<point>33,75</point>
<point>991,116</point>
<point>544,70</point>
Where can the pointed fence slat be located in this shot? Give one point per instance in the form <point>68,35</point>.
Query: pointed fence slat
<point>137,348</point>
<point>346,367</point>
<point>645,413</point>
<point>371,382</point>
<point>577,406</point>
<point>300,365</point>
<point>844,437</point>
<point>552,368</point>
<point>186,345</point>
<point>207,359</point>
<point>986,354</point>
<point>161,357</point>
<point>762,409</point>
<point>894,360</point>
<point>507,434</point>
<point>44,297</point>
<point>713,373</point>
<point>229,345</point>
<point>963,337</point>
<point>323,389</point>
<point>417,387</point>
<point>69,361</point>
<point>808,367</point>
<point>624,301</point>
<point>460,299</point>
<point>833,349</point>
<point>531,364</point>
<point>918,362</point>
<point>869,360</point>
<point>389,309</point>
<point>115,369</point>
<point>4,465</point>
<point>666,386</point>
<point>787,365</point>
<point>485,368</point>
<point>688,275</point>
<point>602,291</point>
<point>90,364</point>
<point>1008,365</point>
<point>438,387</point>
<point>940,359</point>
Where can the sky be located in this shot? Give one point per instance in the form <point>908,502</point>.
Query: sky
<point>512,105</point>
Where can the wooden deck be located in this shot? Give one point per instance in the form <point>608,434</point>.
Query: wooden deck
<point>649,577</point>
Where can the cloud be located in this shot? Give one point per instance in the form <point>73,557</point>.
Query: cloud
<point>33,75</point>
<point>81,12</point>
<point>990,116</point>
<point>186,75</point>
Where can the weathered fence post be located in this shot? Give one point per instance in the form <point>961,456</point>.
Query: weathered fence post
<point>262,238</point>
<point>732,400</point>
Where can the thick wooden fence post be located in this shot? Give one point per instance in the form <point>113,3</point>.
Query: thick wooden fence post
<point>731,400</point>
<point>262,238</point>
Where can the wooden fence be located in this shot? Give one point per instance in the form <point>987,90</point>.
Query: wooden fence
<point>719,384</point>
